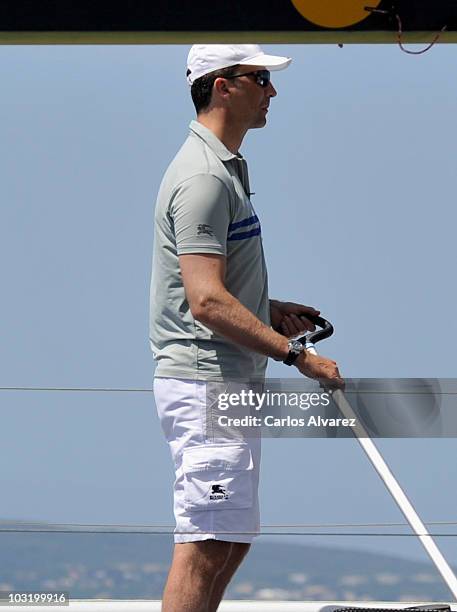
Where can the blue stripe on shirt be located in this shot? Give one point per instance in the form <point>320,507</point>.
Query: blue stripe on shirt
<point>248,221</point>
<point>244,235</point>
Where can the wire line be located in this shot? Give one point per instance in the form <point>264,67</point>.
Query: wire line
<point>147,390</point>
<point>169,529</point>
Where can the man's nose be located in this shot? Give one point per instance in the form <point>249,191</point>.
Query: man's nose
<point>271,90</point>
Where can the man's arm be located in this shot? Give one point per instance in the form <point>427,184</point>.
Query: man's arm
<point>210,302</point>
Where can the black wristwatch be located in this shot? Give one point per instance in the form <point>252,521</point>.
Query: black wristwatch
<point>295,348</point>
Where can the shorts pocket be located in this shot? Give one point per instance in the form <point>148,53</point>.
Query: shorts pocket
<point>218,477</point>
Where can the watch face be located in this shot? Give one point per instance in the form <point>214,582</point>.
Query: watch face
<point>295,346</point>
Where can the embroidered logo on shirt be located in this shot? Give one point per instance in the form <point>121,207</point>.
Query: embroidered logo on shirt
<point>218,492</point>
<point>203,228</point>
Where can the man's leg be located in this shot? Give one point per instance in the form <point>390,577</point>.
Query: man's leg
<point>239,551</point>
<point>201,570</point>
<point>199,574</point>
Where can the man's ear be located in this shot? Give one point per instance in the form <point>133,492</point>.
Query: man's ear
<point>221,87</point>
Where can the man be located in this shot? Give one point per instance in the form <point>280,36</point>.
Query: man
<point>212,323</point>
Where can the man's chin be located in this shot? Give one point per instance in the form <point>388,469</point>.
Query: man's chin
<point>260,123</point>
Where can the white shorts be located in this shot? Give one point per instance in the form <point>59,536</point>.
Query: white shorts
<point>217,472</point>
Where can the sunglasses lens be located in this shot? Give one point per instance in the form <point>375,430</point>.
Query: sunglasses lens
<point>263,78</point>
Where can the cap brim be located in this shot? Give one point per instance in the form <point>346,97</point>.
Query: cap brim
<point>271,62</point>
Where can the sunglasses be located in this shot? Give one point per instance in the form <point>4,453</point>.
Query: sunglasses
<point>262,77</point>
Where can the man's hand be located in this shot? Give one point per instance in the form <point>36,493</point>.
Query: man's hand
<point>289,319</point>
<point>320,368</point>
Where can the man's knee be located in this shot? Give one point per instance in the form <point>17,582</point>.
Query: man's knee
<point>237,554</point>
<point>207,558</point>
<point>240,550</point>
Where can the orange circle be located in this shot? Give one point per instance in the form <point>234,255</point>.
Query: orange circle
<point>331,14</point>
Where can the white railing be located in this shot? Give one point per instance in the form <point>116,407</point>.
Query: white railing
<point>93,605</point>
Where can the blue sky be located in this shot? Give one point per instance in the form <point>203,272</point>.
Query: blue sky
<point>354,179</point>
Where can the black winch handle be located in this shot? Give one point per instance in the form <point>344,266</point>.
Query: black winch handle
<point>320,334</point>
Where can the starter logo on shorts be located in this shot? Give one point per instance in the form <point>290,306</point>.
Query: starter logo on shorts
<point>218,492</point>
<point>203,228</point>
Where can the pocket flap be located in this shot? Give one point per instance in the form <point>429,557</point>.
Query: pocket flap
<point>224,457</point>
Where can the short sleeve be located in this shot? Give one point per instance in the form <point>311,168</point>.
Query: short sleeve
<point>200,210</point>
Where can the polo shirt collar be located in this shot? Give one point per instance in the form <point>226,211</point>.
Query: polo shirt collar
<point>212,141</point>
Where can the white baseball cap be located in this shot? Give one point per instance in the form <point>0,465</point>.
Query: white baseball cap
<point>203,59</point>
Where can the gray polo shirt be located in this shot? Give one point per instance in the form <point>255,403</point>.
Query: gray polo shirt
<point>204,206</point>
